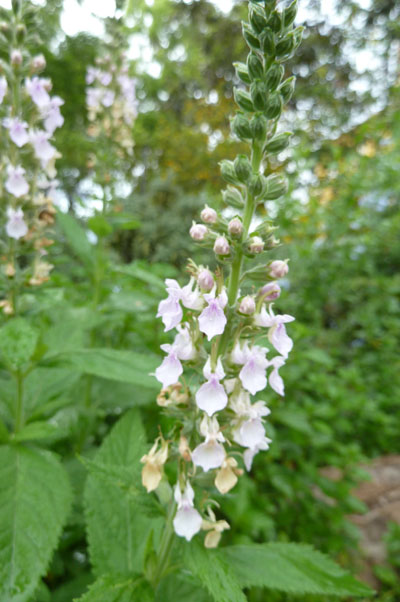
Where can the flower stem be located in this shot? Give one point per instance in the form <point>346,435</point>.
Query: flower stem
<point>165,548</point>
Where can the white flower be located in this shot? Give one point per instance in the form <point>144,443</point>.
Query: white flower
<point>253,373</point>
<point>52,115</point>
<point>249,454</point>
<point>16,183</point>
<point>36,88</point>
<point>41,145</point>
<point>16,226</point>
<point>212,397</point>
<point>187,521</point>
<point>277,332</point>
<point>181,349</point>
<point>212,319</point>
<point>3,88</point>
<point>275,380</point>
<point>211,453</point>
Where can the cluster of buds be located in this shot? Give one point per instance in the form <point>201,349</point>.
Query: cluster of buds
<point>230,343</point>
<point>111,102</point>
<point>29,116</point>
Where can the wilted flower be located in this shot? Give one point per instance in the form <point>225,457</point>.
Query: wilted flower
<point>153,465</point>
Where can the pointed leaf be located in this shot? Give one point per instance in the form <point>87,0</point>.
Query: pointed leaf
<point>293,568</point>
<point>117,588</point>
<point>35,498</point>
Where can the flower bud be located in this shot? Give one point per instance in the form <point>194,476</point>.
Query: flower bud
<point>205,280</point>
<point>16,57</point>
<point>258,126</point>
<point>242,73</point>
<point>241,127</point>
<point>255,66</point>
<point>276,186</point>
<point>270,291</point>
<point>256,245</point>
<point>287,88</point>
<point>243,99</point>
<point>268,42</point>
<point>289,14</point>
<point>21,32</point>
<point>258,95</point>
<point>274,77</point>
<point>235,227</point>
<point>247,305</point>
<point>251,40</point>
<point>232,197</point>
<point>278,143</point>
<point>278,269</point>
<point>38,62</point>
<point>274,106</point>
<point>228,172</point>
<point>209,215</point>
<point>221,246</point>
<point>198,231</point>
<point>242,168</point>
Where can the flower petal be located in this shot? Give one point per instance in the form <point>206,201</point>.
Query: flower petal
<point>211,397</point>
<point>208,455</point>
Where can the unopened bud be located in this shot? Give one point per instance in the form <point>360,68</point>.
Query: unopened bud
<point>38,62</point>
<point>247,305</point>
<point>235,227</point>
<point>16,57</point>
<point>270,291</point>
<point>221,246</point>
<point>278,269</point>
<point>198,231</point>
<point>242,167</point>
<point>205,280</point>
<point>256,245</point>
<point>209,215</point>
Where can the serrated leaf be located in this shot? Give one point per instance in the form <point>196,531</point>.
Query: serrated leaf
<point>292,568</point>
<point>116,525</point>
<point>35,498</point>
<point>181,588</point>
<point>115,364</point>
<point>214,573</point>
<point>118,588</point>
<point>37,430</point>
<point>76,238</point>
<point>18,341</point>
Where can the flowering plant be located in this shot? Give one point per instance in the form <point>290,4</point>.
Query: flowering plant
<point>29,116</point>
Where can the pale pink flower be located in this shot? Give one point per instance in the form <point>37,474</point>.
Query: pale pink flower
<point>277,332</point>
<point>52,115</point>
<point>209,215</point>
<point>108,98</point>
<point>275,379</point>
<point>105,78</point>
<point>182,348</point>
<point>198,231</point>
<point>36,88</point>
<point>15,225</point>
<point>270,291</point>
<point>253,373</point>
<point>221,246</point>
<point>212,319</point>
<point>278,269</point>
<point>169,309</point>
<point>42,148</point>
<point>17,130</point>
<point>16,183</point>
<point>205,280</point>
<point>211,396</point>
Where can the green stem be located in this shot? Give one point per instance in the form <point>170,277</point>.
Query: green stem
<point>165,548</point>
<point>236,269</point>
<point>19,410</point>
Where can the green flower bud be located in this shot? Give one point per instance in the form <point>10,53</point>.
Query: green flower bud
<point>297,36</point>
<point>257,18</point>
<point>232,197</point>
<point>274,107</point>
<point>276,186</point>
<point>258,95</point>
<point>255,67</point>
<point>242,72</point>
<point>287,88</point>
<point>285,46</point>
<point>240,126</point>
<point>243,168</point>
<point>257,185</point>
<point>275,22</point>
<point>251,39</point>
<point>16,6</point>
<point>278,143</point>
<point>268,42</point>
<point>6,30</point>
<point>243,99</point>
<point>274,77</point>
<point>21,33</point>
<point>228,171</point>
<point>259,126</point>
<point>289,14</point>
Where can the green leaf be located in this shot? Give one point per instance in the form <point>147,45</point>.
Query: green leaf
<point>181,588</point>
<point>18,341</point>
<point>35,498</point>
<point>115,364</point>
<point>76,238</point>
<point>292,568</point>
<point>118,588</point>
<point>116,525</point>
<point>37,430</point>
<point>214,573</point>
<point>99,225</point>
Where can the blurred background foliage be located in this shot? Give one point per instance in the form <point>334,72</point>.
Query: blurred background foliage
<point>339,225</point>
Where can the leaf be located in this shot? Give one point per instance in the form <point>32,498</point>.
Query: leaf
<point>115,364</point>
<point>118,588</point>
<point>293,568</point>
<point>99,225</point>
<point>38,430</point>
<point>76,238</point>
<point>214,573</point>
<point>35,498</point>
<point>181,588</point>
<point>116,526</point>
<point>295,419</point>
<point>18,341</point>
